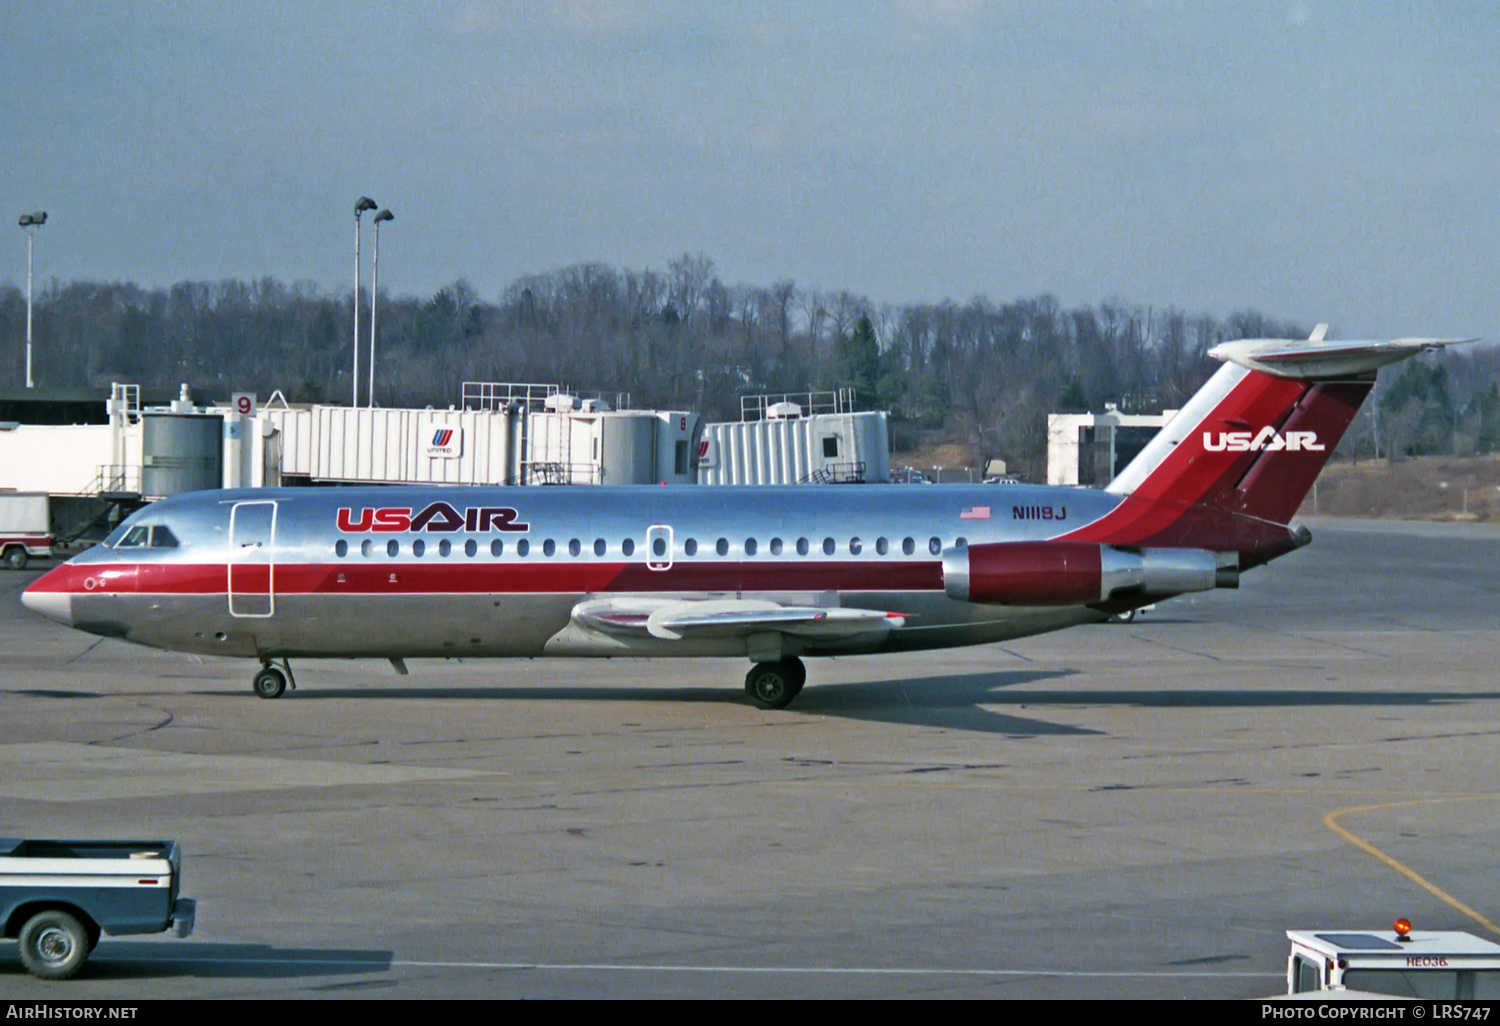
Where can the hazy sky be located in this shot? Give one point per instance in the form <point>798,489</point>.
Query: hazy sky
<point>1316,161</point>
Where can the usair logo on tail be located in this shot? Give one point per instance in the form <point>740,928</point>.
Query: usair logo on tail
<point>1268,440</point>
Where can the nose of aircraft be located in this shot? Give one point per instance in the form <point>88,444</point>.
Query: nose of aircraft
<point>50,596</point>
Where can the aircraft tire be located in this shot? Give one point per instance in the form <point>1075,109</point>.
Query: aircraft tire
<point>798,670</point>
<point>270,683</point>
<point>774,685</point>
<point>54,945</point>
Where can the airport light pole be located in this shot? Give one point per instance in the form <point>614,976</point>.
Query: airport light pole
<point>384,215</point>
<point>360,206</point>
<point>29,224</point>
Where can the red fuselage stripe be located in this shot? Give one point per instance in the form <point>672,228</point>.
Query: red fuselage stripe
<point>366,577</point>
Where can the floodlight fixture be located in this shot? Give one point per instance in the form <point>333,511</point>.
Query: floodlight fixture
<point>30,223</point>
<point>384,215</point>
<point>360,206</point>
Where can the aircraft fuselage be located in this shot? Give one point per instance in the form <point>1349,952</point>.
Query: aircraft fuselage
<point>420,572</point>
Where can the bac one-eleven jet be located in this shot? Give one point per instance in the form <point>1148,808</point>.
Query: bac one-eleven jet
<point>774,574</point>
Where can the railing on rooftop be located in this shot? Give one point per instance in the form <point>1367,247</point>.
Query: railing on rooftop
<point>756,407</point>
<point>492,395</point>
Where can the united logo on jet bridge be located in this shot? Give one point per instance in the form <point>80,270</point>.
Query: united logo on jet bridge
<point>447,443</point>
<point>1268,440</point>
<point>436,516</point>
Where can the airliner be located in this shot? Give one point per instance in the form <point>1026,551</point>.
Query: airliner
<point>773,574</point>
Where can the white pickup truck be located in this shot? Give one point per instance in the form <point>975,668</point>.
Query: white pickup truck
<point>57,897</point>
<point>1445,965</point>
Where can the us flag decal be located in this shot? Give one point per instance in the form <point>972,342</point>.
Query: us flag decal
<point>975,513</point>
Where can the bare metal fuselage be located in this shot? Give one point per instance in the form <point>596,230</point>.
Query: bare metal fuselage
<point>279,573</point>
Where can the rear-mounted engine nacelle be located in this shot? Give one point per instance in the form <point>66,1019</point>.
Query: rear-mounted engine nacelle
<point>1059,573</point>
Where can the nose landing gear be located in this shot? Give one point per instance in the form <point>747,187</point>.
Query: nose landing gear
<point>271,682</point>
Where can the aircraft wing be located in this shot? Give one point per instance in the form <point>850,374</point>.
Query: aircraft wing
<point>674,620</point>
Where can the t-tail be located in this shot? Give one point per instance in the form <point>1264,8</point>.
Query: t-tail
<point>1228,473</point>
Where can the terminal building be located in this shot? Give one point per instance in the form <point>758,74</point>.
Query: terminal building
<point>100,457</point>
<point>1091,448</point>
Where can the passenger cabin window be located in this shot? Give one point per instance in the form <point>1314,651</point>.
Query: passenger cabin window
<point>599,546</point>
<point>690,546</point>
<point>574,547</point>
<point>829,546</point>
<point>418,547</point>
<point>627,547</point>
<point>549,547</point>
<point>908,546</point>
<point>935,546</point>
<point>802,546</point>
<point>855,546</point>
<point>366,547</point>
<point>341,548</point>
<point>523,547</point>
<point>750,546</point>
<point>445,547</point>
<point>775,546</point>
<point>497,547</point>
<point>392,547</point>
<point>471,547</point>
<point>722,547</point>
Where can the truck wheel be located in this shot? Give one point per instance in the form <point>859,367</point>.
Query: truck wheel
<point>15,558</point>
<point>54,945</point>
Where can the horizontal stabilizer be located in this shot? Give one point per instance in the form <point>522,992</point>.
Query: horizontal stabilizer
<point>1316,359</point>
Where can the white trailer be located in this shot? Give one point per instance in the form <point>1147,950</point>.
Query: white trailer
<point>788,447</point>
<point>25,527</point>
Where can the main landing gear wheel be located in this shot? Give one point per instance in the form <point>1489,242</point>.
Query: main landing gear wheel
<point>270,682</point>
<point>54,945</point>
<point>774,685</point>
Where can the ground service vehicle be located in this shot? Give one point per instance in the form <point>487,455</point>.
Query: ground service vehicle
<point>769,573</point>
<point>1443,965</point>
<point>58,897</point>
<point>25,527</point>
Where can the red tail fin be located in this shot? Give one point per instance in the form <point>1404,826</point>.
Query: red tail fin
<point>1230,470</point>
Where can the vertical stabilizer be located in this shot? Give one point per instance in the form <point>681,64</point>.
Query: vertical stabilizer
<point>1231,469</point>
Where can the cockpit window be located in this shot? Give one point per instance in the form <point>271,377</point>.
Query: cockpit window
<point>138,537</point>
<point>141,536</point>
